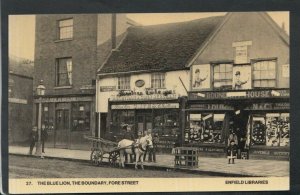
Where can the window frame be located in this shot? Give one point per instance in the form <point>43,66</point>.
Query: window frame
<point>57,72</point>
<point>162,84</point>
<point>222,80</point>
<point>129,82</point>
<point>59,29</point>
<point>253,61</point>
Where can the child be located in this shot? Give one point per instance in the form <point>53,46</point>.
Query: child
<point>231,151</point>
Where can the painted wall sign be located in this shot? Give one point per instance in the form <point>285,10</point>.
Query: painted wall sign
<point>201,76</point>
<point>240,94</point>
<point>139,83</point>
<point>269,152</point>
<point>269,106</point>
<point>144,106</point>
<point>64,99</point>
<point>241,77</point>
<point>107,88</point>
<point>286,70</point>
<point>143,97</point>
<point>211,107</point>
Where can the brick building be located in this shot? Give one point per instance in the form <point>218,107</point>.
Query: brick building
<point>20,101</point>
<point>68,51</point>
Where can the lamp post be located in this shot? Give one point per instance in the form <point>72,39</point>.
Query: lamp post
<point>40,91</point>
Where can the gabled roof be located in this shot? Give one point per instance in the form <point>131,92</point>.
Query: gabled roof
<point>160,47</point>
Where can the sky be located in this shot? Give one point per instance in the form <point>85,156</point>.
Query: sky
<point>22,27</point>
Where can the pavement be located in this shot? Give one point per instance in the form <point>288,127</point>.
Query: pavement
<point>213,166</point>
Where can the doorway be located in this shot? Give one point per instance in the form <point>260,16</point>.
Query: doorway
<point>144,122</point>
<point>62,128</point>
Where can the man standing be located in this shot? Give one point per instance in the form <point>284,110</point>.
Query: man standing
<point>198,80</point>
<point>44,138</point>
<point>238,84</point>
<point>33,137</point>
<point>148,134</point>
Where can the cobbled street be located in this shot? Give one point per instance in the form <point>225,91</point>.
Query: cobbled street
<point>28,167</point>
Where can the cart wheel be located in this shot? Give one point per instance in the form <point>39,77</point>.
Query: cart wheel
<point>113,157</point>
<point>96,157</point>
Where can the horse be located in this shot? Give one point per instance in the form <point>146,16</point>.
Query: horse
<point>138,148</point>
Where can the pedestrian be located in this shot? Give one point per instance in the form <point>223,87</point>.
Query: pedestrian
<point>128,135</point>
<point>33,138</point>
<point>154,149</point>
<point>44,137</point>
<point>232,137</point>
<point>231,151</point>
<point>148,134</point>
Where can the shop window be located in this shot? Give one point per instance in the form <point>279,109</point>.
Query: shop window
<point>158,80</point>
<point>47,117</point>
<point>272,129</point>
<point>264,74</point>
<point>81,112</point>
<point>222,77</point>
<point>63,71</point>
<point>166,123</point>
<point>124,83</point>
<point>120,118</point>
<point>65,28</point>
<point>205,128</point>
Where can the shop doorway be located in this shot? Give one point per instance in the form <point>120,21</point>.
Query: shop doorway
<point>62,128</point>
<point>240,127</point>
<point>144,122</point>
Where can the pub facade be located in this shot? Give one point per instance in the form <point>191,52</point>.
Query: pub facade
<point>69,48</point>
<point>240,84</point>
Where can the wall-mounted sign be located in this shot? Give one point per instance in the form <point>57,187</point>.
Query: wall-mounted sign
<point>286,70</point>
<point>144,106</point>
<point>64,99</point>
<point>269,106</point>
<point>17,100</point>
<point>143,97</point>
<point>200,76</point>
<point>139,83</point>
<point>241,77</point>
<point>211,107</point>
<point>275,93</point>
<point>107,88</point>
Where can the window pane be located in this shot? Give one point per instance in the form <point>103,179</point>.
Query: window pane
<point>256,66</point>
<point>222,67</point>
<point>66,29</point>
<point>264,65</point>
<point>271,83</point>
<point>217,68</point>
<point>271,65</point>
<point>228,67</point>
<point>256,83</point>
<point>229,75</point>
<point>217,76</point>
<point>256,74</point>
<point>68,22</point>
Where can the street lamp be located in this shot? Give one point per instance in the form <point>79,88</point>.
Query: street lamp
<point>40,91</point>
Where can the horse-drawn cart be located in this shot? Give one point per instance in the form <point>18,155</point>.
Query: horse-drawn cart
<point>101,147</point>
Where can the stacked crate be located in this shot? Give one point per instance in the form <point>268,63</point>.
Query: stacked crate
<point>186,157</point>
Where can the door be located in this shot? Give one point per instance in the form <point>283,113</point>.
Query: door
<point>62,128</point>
<point>144,122</point>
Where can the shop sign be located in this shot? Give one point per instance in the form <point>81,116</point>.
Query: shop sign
<point>144,106</point>
<point>269,106</point>
<point>240,94</point>
<point>17,100</point>
<point>270,152</point>
<point>144,97</point>
<point>107,88</point>
<point>211,107</point>
<point>211,149</point>
<point>64,99</point>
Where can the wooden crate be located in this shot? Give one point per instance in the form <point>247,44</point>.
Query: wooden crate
<point>186,157</point>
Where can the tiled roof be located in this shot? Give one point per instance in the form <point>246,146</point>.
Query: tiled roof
<point>160,47</point>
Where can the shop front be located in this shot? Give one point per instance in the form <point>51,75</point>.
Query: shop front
<point>160,113</point>
<point>67,120</point>
<point>258,118</point>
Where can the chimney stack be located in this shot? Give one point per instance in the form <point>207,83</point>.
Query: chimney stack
<point>113,31</point>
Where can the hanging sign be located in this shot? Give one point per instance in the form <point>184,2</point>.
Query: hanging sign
<point>144,106</point>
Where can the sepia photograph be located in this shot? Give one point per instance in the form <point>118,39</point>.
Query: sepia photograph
<point>114,102</point>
